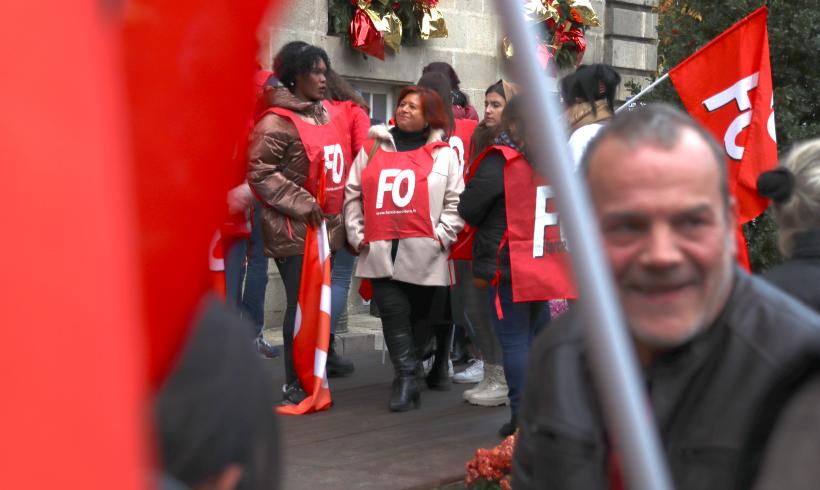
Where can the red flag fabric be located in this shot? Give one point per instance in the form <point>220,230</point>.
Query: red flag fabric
<point>71,346</point>
<point>184,116</point>
<point>311,337</point>
<point>742,250</point>
<point>539,259</point>
<point>727,87</point>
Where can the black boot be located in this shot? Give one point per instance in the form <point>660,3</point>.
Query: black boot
<point>509,428</point>
<point>336,364</point>
<point>439,376</point>
<point>405,392</point>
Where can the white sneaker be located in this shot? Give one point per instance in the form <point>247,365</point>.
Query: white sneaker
<point>473,374</point>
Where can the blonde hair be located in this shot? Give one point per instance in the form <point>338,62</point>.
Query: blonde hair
<point>801,210</point>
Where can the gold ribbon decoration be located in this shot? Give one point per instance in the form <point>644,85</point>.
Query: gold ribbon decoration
<point>585,12</point>
<point>537,11</point>
<point>431,20</point>
<point>392,37</point>
<point>507,47</point>
<point>380,25</point>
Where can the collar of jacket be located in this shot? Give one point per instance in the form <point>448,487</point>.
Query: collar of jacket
<point>807,244</point>
<point>381,133</point>
<point>282,97</point>
<point>581,114</point>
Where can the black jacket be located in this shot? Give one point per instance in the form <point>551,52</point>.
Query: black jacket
<point>800,275</point>
<point>482,205</point>
<point>703,395</point>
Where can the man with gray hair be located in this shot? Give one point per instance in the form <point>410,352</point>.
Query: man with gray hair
<point>711,340</point>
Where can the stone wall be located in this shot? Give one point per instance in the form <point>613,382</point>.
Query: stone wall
<point>471,47</point>
<point>626,39</point>
<point>631,40</point>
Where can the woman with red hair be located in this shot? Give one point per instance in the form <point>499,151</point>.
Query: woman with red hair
<point>401,217</point>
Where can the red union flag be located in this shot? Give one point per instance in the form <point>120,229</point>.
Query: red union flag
<point>311,336</point>
<point>727,87</point>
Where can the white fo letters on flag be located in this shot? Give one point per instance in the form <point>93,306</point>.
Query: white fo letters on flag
<point>739,93</point>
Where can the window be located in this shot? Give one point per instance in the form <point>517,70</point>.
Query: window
<point>381,97</point>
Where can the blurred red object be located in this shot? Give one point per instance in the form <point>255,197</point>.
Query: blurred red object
<point>71,366</point>
<point>118,125</point>
<point>189,68</point>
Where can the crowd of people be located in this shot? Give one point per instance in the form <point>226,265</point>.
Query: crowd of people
<point>418,206</point>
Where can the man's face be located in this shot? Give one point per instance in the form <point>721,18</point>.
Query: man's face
<point>668,235</point>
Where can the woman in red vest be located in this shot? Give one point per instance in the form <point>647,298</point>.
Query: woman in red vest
<point>492,388</point>
<point>293,143</point>
<point>483,205</point>
<point>400,215</point>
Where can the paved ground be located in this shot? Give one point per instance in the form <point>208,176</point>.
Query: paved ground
<point>360,444</point>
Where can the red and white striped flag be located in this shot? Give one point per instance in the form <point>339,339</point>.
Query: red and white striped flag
<point>311,336</point>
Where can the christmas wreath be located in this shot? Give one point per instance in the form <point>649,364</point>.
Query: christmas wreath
<point>370,25</point>
<point>561,25</point>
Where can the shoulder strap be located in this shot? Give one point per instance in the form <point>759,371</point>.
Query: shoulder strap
<point>373,150</point>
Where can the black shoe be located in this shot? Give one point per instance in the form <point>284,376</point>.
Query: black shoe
<point>292,394</point>
<point>460,354</point>
<point>267,350</point>
<point>509,428</point>
<point>405,394</point>
<point>439,376</point>
<point>338,366</point>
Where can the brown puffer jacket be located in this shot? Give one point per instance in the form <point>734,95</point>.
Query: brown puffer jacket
<point>277,170</point>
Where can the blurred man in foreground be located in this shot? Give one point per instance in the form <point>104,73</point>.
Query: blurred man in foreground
<point>711,340</point>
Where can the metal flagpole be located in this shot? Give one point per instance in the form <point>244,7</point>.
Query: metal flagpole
<point>613,359</point>
<point>643,92</point>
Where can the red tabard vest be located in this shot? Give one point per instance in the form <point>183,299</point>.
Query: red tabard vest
<point>539,259</point>
<point>461,142</point>
<point>394,194</point>
<point>327,149</point>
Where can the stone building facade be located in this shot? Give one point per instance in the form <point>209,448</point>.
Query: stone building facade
<point>626,39</point>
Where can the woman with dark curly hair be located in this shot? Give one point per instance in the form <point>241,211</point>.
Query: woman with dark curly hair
<point>295,141</point>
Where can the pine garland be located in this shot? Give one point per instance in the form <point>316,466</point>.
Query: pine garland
<point>340,14</point>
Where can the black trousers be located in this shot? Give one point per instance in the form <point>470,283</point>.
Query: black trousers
<point>290,268</point>
<point>410,314</point>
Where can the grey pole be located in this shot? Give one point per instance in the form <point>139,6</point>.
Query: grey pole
<point>643,92</point>
<point>613,359</point>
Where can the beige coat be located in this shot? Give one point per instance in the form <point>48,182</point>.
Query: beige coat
<point>419,260</point>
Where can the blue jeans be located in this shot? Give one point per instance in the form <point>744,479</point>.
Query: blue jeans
<point>341,273</point>
<point>521,323</point>
<point>250,301</point>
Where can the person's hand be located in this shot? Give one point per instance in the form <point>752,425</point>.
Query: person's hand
<point>239,198</point>
<point>315,216</point>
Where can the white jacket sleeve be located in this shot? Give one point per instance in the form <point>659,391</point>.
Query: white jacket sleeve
<point>353,209</point>
<point>450,222</point>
